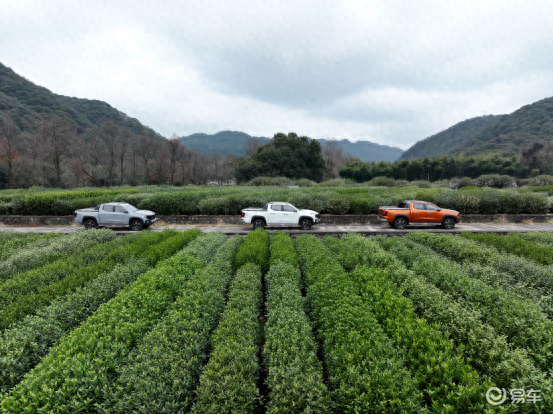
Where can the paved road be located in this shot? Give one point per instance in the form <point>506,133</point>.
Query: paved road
<point>317,230</point>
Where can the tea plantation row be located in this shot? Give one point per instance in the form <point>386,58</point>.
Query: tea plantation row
<point>182,322</point>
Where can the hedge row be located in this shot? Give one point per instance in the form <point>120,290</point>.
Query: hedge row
<point>366,374</point>
<point>294,373</point>
<point>22,346</point>
<point>545,238</point>
<point>162,373</point>
<point>40,288</point>
<point>11,246</point>
<point>73,377</point>
<point>282,249</point>
<point>462,249</point>
<point>447,382</point>
<point>254,250</point>
<point>229,381</point>
<point>485,350</point>
<point>6,236</point>
<point>521,320</point>
<point>514,244</point>
<point>62,247</point>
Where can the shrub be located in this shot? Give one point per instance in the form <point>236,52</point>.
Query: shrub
<point>423,184</point>
<point>534,203</point>
<point>511,202</point>
<point>362,206</point>
<point>543,180</point>
<point>270,181</point>
<point>338,206</point>
<point>490,202</point>
<point>11,246</point>
<point>495,180</point>
<point>228,383</point>
<point>467,204</point>
<point>295,374</point>
<point>6,208</point>
<point>305,183</point>
<point>458,183</point>
<point>355,348</point>
<point>254,250</point>
<point>282,249</point>
<point>162,373</point>
<point>382,181</point>
<point>80,368</point>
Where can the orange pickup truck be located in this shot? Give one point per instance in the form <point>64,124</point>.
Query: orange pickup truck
<point>417,211</point>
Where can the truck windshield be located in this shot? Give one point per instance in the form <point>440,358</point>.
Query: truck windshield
<point>130,208</point>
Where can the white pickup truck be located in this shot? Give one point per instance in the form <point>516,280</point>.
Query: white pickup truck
<point>280,214</point>
<point>115,214</point>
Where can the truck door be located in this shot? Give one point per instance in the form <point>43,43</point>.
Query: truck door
<point>120,217</point>
<point>433,214</point>
<point>106,215</point>
<point>276,215</point>
<point>291,216</point>
<point>418,212</point>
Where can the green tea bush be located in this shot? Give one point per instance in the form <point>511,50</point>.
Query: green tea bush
<point>428,195</point>
<point>423,184</point>
<point>76,372</point>
<point>254,250</point>
<point>282,249</point>
<point>542,180</point>
<point>6,208</point>
<point>540,237</point>
<point>294,373</point>
<point>355,348</point>
<point>362,206</point>
<point>22,346</point>
<point>467,204</point>
<point>490,202</point>
<point>27,292</point>
<point>11,246</point>
<point>337,206</point>
<point>521,320</point>
<point>270,181</point>
<point>162,373</point>
<point>516,245</point>
<point>29,258</point>
<point>305,183</point>
<point>228,383</point>
<point>437,367</point>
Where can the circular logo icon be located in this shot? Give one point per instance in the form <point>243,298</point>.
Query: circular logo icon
<point>496,396</point>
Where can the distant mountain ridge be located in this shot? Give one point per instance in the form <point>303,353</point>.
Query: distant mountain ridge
<point>232,142</point>
<point>454,137</point>
<point>29,103</point>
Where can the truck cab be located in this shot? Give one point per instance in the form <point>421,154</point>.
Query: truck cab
<point>280,214</point>
<point>420,212</point>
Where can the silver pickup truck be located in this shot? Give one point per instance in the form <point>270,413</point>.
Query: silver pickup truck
<point>115,214</point>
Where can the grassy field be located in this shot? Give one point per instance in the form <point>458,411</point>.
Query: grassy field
<point>229,200</point>
<point>184,322</point>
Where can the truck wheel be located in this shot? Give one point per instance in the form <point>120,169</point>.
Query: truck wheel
<point>137,225</point>
<point>400,223</point>
<point>90,224</point>
<point>258,223</point>
<point>448,223</point>
<point>306,224</point>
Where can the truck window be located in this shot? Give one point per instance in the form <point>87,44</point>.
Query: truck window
<point>286,208</point>
<point>420,206</point>
<point>108,208</point>
<point>276,208</point>
<point>120,209</point>
<point>432,208</point>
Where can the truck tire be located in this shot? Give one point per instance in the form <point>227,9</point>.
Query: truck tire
<point>137,225</point>
<point>90,224</point>
<point>258,223</point>
<point>400,223</point>
<point>306,224</point>
<point>448,223</point>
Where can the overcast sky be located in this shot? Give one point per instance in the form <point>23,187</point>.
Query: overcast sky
<point>392,72</point>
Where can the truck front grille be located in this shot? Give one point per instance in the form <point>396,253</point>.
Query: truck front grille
<point>151,217</point>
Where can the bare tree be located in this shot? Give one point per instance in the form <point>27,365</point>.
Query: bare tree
<point>122,146</point>
<point>9,140</point>
<point>334,158</point>
<point>145,151</point>
<point>134,154</point>
<point>56,134</point>
<point>108,133</point>
<point>251,146</point>
<point>160,156</point>
<point>90,154</point>
<point>175,149</point>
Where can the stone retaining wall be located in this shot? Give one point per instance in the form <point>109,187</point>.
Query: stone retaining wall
<point>235,219</point>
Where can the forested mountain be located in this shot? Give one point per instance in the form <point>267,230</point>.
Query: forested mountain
<point>455,137</point>
<point>513,132</point>
<point>29,103</point>
<point>233,142</point>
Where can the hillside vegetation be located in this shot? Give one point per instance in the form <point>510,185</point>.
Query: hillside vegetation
<point>29,103</point>
<point>454,137</point>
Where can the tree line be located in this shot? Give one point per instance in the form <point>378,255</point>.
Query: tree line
<point>54,154</point>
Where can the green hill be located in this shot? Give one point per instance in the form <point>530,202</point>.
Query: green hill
<point>455,137</point>
<point>232,142</point>
<point>29,103</point>
<point>513,132</point>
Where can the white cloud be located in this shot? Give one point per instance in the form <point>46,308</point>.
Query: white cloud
<point>392,72</point>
